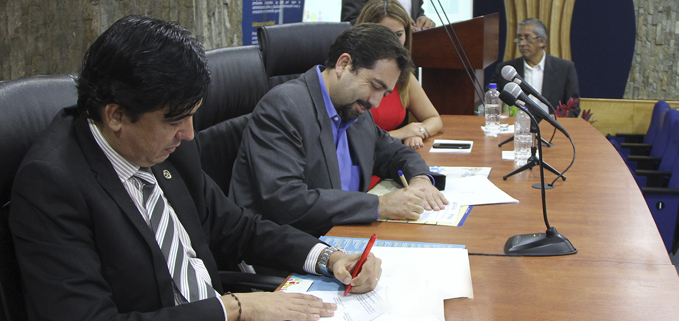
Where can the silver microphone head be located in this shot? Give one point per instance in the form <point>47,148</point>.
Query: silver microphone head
<point>508,73</point>
<point>513,89</point>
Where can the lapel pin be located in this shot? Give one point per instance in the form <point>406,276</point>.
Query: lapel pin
<point>167,174</point>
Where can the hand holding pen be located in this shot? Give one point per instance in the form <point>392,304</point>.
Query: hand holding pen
<point>361,261</point>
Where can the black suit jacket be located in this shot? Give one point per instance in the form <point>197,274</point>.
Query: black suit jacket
<point>85,252</point>
<point>559,84</point>
<point>352,8</point>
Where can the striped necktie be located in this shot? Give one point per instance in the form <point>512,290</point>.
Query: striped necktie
<point>190,284</point>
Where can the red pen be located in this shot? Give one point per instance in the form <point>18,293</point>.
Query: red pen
<point>364,257</point>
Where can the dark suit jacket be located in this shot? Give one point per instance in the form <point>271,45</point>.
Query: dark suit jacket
<point>287,166</point>
<point>85,252</point>
<point>352,8</point>
<point>559,84</point>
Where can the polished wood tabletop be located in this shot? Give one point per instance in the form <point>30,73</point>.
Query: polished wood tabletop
<point>621,271</point>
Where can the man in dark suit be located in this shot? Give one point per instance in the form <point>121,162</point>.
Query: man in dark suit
<point>113,218</point>
<point>310,148</point>
<point>553,77</point>
<point>352,8</point>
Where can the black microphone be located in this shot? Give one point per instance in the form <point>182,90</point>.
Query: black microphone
<point>510,74</point>
<point>515,92</point>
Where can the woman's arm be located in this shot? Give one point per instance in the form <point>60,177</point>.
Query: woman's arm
<point>424,112</point>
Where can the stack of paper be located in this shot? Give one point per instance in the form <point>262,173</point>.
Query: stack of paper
<point>413,285</point>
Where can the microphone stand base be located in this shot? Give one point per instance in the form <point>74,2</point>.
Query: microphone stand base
<point>539,186</point>
<point>540,244</point>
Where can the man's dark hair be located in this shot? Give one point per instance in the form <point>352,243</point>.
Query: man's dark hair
<point>143,64</point>
<point>368,43</point>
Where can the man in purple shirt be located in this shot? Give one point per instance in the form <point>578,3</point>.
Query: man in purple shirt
<point>310,148</point>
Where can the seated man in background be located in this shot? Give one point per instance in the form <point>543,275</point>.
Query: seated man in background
<point>113,218</point>
<point>352,8</point>
<point>310,148</point>
<point>554,78</point>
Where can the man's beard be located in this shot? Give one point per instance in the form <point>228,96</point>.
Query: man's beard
<point>348,114</point>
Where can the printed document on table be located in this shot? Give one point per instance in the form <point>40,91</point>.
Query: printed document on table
<point>413,285</point>
<point>386,185</point>
<point>417,281</point>
<point>364,306</point>
<point>475,190</point>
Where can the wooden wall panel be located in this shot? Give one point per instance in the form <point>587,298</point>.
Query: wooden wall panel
<point>621,115</point>
<point>555,14</point>
<point>50,37</point>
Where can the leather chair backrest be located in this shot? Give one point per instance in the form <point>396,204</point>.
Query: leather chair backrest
<point>27,106</point>
<point>11,294</point>
<point>292,48</point>
<point>219,145</point>
<point>238,81</point>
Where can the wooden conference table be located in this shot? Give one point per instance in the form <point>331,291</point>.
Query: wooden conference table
<point>621,270</point>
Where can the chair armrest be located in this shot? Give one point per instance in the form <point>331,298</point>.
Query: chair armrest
<point>660,190</point>
<point>637,148</point>
<point>641,158</point>
<point>649,178</point>
<point>631,138</point>
<point>651,173</point>
<point>643,162</point>
<point>257,281</point>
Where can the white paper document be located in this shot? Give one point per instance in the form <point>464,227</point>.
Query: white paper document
<point>413,285</point>
<point>450,214</point>
<point>365,306</point>
<point>417,280</point>
<point>475,190</point>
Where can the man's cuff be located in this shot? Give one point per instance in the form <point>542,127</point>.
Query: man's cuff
<point>431,178</point>
<point>226,318</point>
<point>312,258</point>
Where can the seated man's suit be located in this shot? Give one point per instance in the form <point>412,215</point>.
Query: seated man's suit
<point>86,252</point>
<point>560,81</point>
<point>287,168</point>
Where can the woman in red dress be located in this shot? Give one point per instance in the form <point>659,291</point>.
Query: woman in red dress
<point>408,95</point>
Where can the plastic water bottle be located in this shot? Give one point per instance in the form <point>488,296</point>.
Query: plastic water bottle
<point>523,140</point>
<point>492,110</point>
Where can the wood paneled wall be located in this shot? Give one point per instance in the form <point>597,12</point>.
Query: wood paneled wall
<point>555,14</point>
<point>621,115</point>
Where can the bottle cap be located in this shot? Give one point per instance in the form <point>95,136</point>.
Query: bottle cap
<point>492,86</point>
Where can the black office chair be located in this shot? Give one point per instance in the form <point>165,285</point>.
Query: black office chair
<point>219,146</point>
<point>27,106</point>
<point>238,81</point>
<point>291,49</point>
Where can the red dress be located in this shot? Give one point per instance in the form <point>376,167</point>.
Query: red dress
<point>388,116</point>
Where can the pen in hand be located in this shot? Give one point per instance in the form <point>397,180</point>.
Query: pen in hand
<point>364,257</point>
<point>403,179</point>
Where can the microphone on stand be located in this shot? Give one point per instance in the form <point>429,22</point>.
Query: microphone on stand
<point>508,96</point>
<point>510,74</point>
<point>536,111</point>
<point>551,242</point>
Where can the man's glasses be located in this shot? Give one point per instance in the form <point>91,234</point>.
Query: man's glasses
<point>528,39</point>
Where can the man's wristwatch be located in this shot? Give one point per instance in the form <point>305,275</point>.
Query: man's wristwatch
<point>325,257</point>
